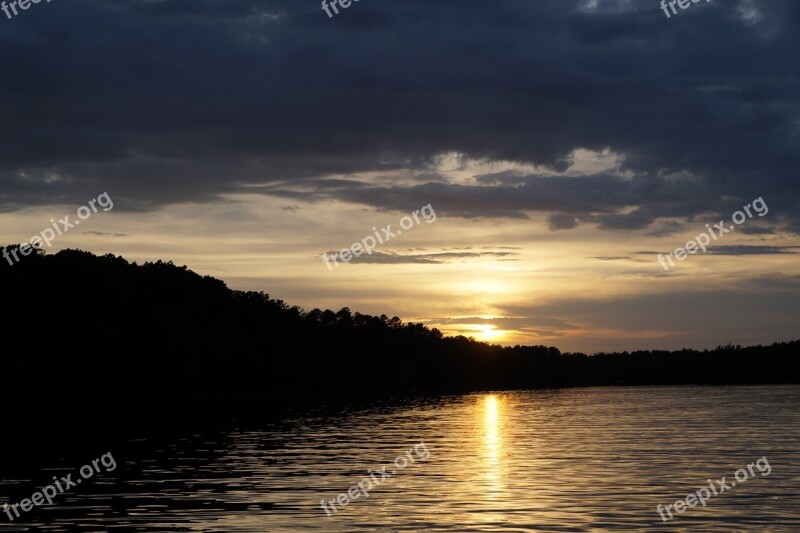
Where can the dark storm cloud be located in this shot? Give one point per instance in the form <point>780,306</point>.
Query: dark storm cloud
<point>669,227</point>
<point>162,102</point>
<point>561,221</point>
<point>599,199</point>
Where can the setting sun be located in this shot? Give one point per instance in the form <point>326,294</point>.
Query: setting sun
<point>487,332</point>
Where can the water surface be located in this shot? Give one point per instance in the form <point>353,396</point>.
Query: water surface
<point>557,460</point>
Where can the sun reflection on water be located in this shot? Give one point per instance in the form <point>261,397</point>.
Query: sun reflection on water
<point>493,442</point>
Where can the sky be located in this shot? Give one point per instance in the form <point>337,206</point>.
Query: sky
<point>560,146</point>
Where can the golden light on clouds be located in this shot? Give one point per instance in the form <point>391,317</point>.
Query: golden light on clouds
<point>508,281</point>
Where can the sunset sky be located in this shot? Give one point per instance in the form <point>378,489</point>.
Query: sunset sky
<point>562,144</point>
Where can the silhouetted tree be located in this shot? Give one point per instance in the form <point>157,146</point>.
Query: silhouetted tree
<point>85,327</point>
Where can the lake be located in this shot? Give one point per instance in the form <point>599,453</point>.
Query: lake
<point>554,460</point>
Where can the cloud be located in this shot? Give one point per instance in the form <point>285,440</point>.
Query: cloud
<point>105,233</point>
<point>186,101</point>
<point>429,258</point>
<point>738,249</point>
<point>561,221</point>
<point>507,322</point>
<point>748,249</point>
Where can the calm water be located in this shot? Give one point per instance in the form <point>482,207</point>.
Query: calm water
<point>566,460</point>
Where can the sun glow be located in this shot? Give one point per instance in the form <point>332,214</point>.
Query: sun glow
<point>487,332</point>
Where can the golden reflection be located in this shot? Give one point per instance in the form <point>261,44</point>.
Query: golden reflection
<point>493,442</point>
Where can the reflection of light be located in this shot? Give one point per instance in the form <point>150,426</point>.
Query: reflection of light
<point>492,437</point>
<point>492,441</point>
<point>491,413</point>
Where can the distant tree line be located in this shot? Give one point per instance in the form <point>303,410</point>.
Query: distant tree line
<point>81,327</point>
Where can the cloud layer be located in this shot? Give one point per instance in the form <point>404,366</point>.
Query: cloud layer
<point>168,102</point>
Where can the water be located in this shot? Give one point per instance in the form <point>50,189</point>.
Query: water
<point>561,460</point>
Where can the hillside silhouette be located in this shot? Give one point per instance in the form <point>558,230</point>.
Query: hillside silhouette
<point>83,327</point>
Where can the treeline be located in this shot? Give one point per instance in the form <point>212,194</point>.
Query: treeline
<point>82,327</point>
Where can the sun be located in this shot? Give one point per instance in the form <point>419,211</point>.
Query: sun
<point>479,332</point>
<point>487,332</point>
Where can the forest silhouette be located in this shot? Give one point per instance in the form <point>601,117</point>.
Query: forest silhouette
<point>82,327</point>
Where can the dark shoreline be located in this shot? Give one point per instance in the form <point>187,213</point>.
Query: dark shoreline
<point>88,329</point>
